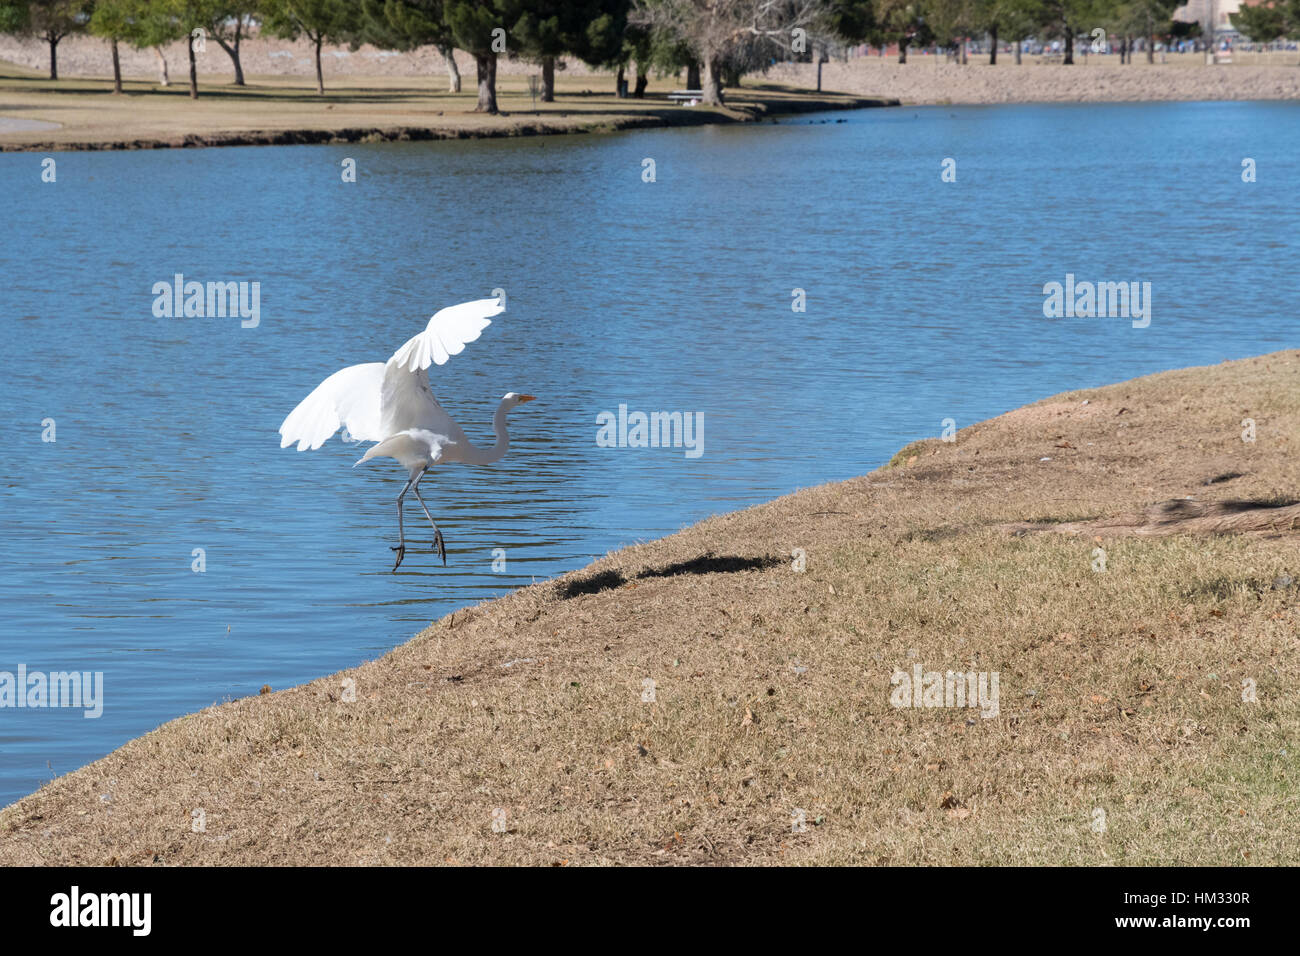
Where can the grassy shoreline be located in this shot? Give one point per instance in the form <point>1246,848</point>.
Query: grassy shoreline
<point>276,110</point>
<point>1123,734</point>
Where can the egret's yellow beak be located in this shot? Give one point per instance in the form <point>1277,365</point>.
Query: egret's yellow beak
<point>527,398</point>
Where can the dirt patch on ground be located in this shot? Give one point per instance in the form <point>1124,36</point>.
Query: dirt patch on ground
<point>731,694</point>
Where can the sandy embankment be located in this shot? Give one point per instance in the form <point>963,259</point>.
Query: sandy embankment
<point>727,694</point>
<point>929,80</point>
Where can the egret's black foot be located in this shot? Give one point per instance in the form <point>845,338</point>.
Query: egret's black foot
<point>401,553</point>
<point>442,550</point>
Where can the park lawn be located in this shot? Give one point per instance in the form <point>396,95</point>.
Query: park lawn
<point>354,108</point>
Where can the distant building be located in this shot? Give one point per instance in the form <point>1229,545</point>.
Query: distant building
<point>1200,11</point>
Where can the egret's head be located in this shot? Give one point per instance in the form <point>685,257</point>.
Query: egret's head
<point>511,399</point>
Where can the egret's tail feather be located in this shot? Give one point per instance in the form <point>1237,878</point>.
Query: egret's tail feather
<point>374,451</point>
<point>403,446</point>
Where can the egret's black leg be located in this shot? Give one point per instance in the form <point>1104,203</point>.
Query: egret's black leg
<point>437,534</point>
<point>401,534</point>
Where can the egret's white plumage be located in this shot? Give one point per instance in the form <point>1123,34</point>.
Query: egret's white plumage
<point>391,403</point>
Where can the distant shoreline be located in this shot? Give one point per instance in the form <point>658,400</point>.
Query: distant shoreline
<point>377,96</point>
<point>746,106</point>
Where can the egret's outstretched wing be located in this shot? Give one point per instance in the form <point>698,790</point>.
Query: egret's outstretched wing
<point>351,396</point>
<point>447,333</point>
<point>407,400</point>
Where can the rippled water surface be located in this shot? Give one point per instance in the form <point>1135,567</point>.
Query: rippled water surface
<point>924,302</point>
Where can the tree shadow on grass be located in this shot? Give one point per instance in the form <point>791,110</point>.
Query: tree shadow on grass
<point>704,564</point>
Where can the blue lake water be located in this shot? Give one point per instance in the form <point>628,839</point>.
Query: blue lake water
<point>924,302</point>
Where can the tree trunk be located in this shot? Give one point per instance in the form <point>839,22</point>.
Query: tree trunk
<point>712,81</point>
<point>902,51</point>
<point>821,58</point>
<point>453,72</point>
<point>194,69</point>
<point>233,53</point>
<point>618,79</point>
<point>54,57</point>
<point>1019,43</point>
<point>117,68</point>
<point>320,77</point>
<point>163,78</point>
<point>548,79</point>
<point>486,64</point>
<point>693,75</point>
<point>1151,47</point>
<point>963,51</point>
<point>993,45</point>
<point>1069,47</point>
<point>642,79</point>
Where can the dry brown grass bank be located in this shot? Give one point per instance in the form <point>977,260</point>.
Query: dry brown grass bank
<point>1121,691</point>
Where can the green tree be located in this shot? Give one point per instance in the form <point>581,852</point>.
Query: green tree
<point>1269,21</point>
<point>1066,19</point>
<point>14,16</point>
<point>162,21</point>
<point>320,21</point>
<point>951,22</point>
<point>227,22</point>
<point>479,28</point>
<point>596,30</point>
<point>902,22</point>
<point>407,24</point>
<point>142,23</point>
<point>605,38</point>
<point>112,20</point>
<point>542,33</point>
<point>187,15</point>
<point>51,20</point>
<point>1014,20</point>
<point>1148,18</point>
<point>840,22</point>
<point>639,44</point>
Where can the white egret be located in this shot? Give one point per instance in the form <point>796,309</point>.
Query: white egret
<point>392,404</point>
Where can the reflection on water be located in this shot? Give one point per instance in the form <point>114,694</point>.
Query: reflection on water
<point>924,302</point>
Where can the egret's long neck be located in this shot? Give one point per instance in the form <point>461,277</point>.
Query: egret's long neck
<point>486,456</point>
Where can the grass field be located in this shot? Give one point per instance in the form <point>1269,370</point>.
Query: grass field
<point>1147,709</point>
<point>288,109</point>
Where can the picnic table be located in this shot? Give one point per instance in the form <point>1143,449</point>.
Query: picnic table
<point>689,97</point>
